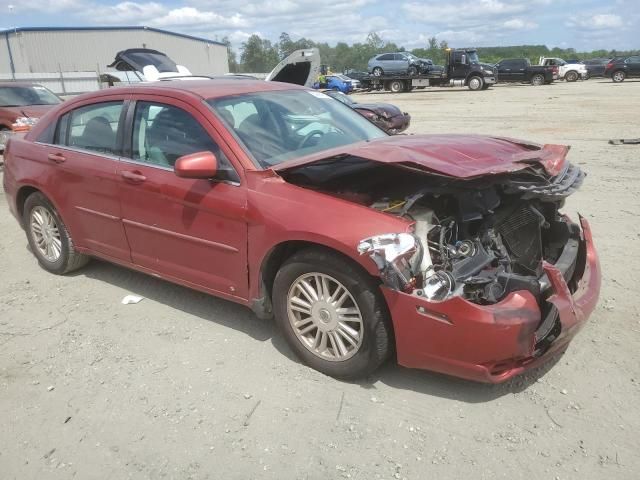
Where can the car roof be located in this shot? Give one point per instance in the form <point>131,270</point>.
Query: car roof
<point>205,89</point>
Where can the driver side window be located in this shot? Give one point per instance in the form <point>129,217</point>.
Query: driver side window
<point>164,133</point>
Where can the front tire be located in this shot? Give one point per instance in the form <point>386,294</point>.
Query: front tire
<point>396,86</point>
<point>571,76</point>
<point>48,237</point>
<point>618,76</point>
<point>476,83</point>
<point>332,314</point>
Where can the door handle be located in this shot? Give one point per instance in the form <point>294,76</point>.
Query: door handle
<point>56,157</point>
<point>133,177</point>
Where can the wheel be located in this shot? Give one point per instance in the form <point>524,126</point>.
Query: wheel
<point>586,76</point>
<point>571,76</point>
<point>332,314</point>
<point>396,86</point>
<point>377,72</point>
<point>413,71</point>
<point>476,83</point>
<point>618,76</point>
<point>537,80</point>
<point>49,238</point>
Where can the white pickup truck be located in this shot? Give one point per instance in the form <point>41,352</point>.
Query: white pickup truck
<point>566,71</point>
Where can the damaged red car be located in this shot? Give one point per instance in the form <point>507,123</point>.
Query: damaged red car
<point>446,252</point>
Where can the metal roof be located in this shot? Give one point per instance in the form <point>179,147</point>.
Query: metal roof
<point>112,28</point>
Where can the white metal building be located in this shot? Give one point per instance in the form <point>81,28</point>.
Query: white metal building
<point>91,49</point>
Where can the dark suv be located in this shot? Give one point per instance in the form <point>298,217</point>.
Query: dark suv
<point>400,62</point>
<point>620,68</point>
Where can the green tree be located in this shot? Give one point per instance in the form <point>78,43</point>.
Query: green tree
<point>258,55</point>
<point>231,55</point>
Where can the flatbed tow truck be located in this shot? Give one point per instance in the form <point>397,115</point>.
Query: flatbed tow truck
<point>462,69</point>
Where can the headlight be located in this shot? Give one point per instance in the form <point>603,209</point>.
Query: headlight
<point>24,123</point>
<point>393,253</point>
<point>488,72</point>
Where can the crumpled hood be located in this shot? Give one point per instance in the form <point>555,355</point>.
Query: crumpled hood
<point>460,156</point>
<point>383,109</point>
<point>35,111</point>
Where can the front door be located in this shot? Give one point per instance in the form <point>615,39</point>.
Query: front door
<point>193,230</point>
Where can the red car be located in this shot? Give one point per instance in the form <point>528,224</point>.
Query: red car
<point>21,104</point>
<point>447,251</point>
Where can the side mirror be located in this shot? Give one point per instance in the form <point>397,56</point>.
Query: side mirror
<point>197,165</point>
<point>463,59</point>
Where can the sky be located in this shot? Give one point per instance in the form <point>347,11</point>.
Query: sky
<point>582,24</point>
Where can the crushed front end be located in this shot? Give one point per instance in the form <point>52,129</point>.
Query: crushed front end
<point>493,279</point>
<point>489,277</point>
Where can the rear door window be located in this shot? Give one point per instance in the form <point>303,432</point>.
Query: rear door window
<point>92,127</point>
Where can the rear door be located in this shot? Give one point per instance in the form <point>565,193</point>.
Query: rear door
<point>519,70</point>
<point>193,230</point>
<point>85,154</point>
<point>505,72</point>
<point>633,63</point>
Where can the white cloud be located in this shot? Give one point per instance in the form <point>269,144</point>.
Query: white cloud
<point>189,16</point>
<point>597,21</point>
<point>519,24</point>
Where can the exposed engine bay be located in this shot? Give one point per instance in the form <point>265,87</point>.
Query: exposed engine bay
<point>480,239</point>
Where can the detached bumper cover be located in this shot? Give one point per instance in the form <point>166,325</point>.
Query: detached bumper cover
<point>493,343</point>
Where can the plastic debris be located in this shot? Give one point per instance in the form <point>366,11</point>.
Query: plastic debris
<point>131,299</point>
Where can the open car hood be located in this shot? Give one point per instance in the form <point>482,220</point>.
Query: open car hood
<point>153,64</point>
<point>302,67</point>
<point>460,156</point>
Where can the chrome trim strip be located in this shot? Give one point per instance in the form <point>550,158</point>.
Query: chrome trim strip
<point>98,214</point>
<point>201,241</point>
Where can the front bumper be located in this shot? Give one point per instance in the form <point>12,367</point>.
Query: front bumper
<point>490,80</point>
<point>399,123</point>
<point>493,343</point>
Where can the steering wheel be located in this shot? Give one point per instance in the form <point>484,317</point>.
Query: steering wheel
<point>308,137</point>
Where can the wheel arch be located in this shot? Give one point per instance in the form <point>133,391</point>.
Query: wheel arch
<point>21,197</point>
<point>276,257</point>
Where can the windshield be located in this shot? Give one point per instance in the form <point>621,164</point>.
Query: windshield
<point>23,96</point>
<point>411,56</point>
<point>473,57</point>
<point>277,126</point>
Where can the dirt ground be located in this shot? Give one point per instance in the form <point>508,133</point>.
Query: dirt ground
<point>183,385</point>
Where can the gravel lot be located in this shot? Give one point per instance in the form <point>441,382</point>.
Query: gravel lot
<point>183,385</point>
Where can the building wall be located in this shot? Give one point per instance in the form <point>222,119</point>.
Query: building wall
<point>93,50</point>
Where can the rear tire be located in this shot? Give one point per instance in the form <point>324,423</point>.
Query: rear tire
<point>305,332</point>
<point>377,72</point>
<point>571,76</point>
<point>476,83</point>
<point>48,237</point>
<point>618,76</point>
<point>537,80</point>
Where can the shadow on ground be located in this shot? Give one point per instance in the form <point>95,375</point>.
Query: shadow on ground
<point>231,315</point>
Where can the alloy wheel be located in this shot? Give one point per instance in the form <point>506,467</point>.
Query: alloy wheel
<point>325,317</point>
<point>45,233</point>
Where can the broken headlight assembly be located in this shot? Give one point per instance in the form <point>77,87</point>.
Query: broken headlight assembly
<point>23,124</point>
<point>398,256</point>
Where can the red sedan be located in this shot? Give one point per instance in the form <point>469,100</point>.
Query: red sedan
<point>447,251</point>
